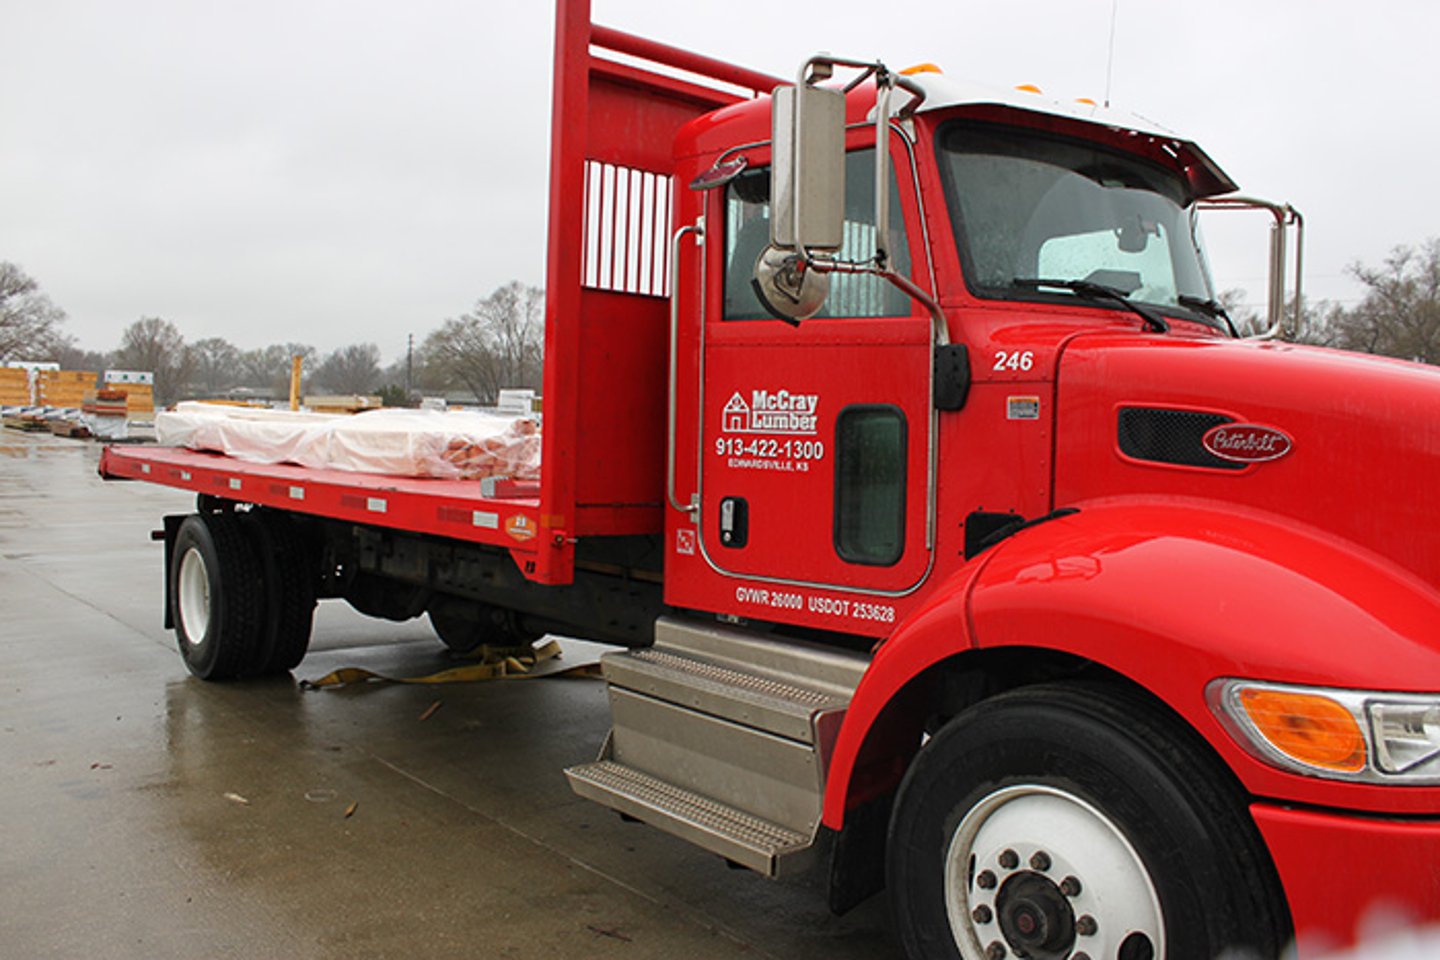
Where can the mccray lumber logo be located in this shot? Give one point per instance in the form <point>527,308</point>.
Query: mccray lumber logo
<point>779,411</point>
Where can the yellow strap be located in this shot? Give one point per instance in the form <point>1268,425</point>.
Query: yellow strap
<point>496,663</point>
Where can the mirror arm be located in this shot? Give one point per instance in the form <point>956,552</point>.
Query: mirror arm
<point>940,329</point>
<point>917,96</point>
<point>909,287</point>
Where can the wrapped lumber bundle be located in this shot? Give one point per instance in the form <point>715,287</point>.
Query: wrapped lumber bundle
<point>63,388</point>
<point>103,413</point>
<point>413,443</point>
<point>15,387</point>
<point>139,387</point>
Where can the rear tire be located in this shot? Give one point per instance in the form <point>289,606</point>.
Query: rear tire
<point>290,579</point>
<point>1064,819</point>
<point>465,625</point>
<point>217,598</point>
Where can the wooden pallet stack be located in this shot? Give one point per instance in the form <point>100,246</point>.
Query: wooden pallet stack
<point>105,403</point>
<point>15,387</point>
<point>139,389</point>
<point>65,389</point>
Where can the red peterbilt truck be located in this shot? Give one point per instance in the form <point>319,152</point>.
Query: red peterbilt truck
<point>956,543</point>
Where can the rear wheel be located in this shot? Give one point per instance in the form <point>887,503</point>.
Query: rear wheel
<point>217,599</point>
<point>464,625</point>
<point>289,576</point>
<point>1060,822</point>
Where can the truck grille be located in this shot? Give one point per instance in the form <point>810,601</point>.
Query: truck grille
<point>1171,436</point>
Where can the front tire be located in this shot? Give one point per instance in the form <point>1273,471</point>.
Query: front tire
<point>217,596</point>
<point>1062,820</point>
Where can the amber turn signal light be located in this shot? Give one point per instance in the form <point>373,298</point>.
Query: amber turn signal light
<point>1306,727</point>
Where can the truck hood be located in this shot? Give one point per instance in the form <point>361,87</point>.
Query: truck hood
<point>1346,444</point>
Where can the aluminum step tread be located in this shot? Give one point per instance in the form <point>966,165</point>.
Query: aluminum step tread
<point>720,821</point>
<point>726,681</point>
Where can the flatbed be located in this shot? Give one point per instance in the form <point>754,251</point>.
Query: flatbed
<point>445,508</point>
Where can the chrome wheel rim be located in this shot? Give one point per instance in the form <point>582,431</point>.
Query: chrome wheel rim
<point>1035,871</point>
<point>193,591</point>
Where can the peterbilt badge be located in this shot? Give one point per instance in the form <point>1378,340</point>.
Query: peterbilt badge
<point>1246,443</point>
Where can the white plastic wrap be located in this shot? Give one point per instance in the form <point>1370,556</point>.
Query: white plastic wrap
<point>462,445</point>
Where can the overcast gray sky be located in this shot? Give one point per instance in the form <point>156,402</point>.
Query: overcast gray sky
<point>338,171</point>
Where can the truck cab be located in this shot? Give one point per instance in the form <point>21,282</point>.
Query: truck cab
<point>821,484</point>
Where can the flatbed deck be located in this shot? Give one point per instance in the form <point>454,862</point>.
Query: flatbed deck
<point>446,508</point>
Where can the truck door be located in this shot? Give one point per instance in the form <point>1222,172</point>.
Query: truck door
<point>815,463</point>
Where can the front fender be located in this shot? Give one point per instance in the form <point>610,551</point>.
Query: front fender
<point>937,631</point>
<point>1172,595</point>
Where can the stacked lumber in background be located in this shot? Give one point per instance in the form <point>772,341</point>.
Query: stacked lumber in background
<point>345,403</point>
<point>65,389</point>
<point>240,404</point>
<point>15,387</point>
<point>69,428</point>
<point>105,403</point>
<point>29,422</point>
<point>139,388</point>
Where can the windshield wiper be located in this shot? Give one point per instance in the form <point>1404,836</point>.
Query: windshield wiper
<point>1099,291</point>
<point>1211,308</point>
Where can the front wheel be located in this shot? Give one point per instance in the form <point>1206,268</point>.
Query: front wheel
<point>1063,822</point>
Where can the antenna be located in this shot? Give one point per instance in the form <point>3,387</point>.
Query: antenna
<point>1110,60</point>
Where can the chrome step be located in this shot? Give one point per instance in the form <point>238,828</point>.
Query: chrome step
<point>777,706</point>
<point>722,736</point>
<point>734,834</point>
<point>797,661</point>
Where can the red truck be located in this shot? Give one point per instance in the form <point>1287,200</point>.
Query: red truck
<point>956,543</point>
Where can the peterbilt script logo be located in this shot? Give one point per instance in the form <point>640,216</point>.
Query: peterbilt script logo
<point>1246,443</point>
<point>779,411</point>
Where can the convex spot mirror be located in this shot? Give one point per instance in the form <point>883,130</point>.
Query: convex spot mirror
<point>788,287</point>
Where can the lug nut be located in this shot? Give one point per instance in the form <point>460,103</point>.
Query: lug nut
<point>1040,861</point>
<point>1009,859</point>
<point>986,880</point>
<point>981,914</point>
<point>1086,926</point>
<point>996,951</point>
<point>1070,886</point>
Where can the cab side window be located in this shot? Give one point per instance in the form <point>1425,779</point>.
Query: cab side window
<point>870,484</point>
<point>747,232</point>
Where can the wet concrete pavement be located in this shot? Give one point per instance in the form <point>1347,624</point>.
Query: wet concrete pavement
<point>148,814</point>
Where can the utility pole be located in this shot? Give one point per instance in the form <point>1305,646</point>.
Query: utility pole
<point>409,364</point>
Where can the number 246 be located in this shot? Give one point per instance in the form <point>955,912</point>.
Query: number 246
<point>1019,360</point>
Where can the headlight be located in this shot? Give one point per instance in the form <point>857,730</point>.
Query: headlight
<point>1354,735</point>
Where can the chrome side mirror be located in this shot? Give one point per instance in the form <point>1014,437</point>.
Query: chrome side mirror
<point>807,196</point>
<point>807,179</point>
<point>1284,220</point>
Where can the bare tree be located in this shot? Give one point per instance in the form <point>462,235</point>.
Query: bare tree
<point>155,345</point>
<point>269,368</point>
<point>215,366</point>
<point>1317,321</point>
<point>353,369</point>
<point>29,322</point>
<point>498,344</point>
<point>73,357</point>
<point>1400,314</point>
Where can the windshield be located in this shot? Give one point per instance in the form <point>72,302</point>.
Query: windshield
<point>1029,206</point>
